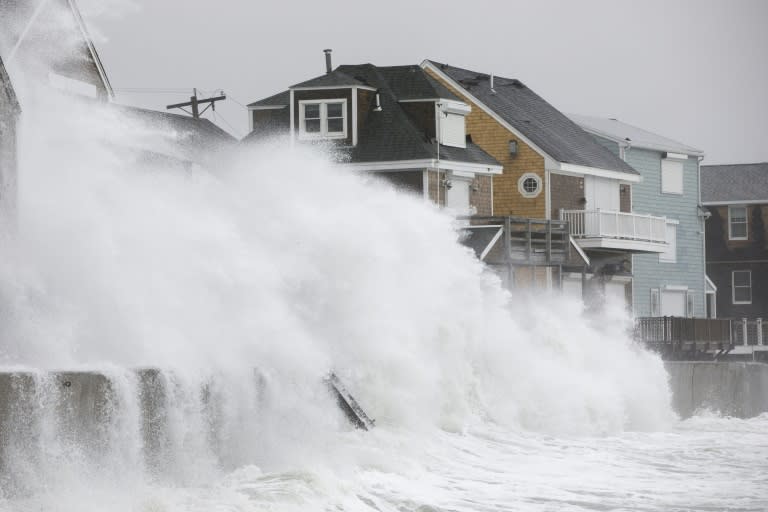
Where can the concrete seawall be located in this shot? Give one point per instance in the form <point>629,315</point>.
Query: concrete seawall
<point>730,388</point>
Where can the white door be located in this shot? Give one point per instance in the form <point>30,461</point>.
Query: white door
<point>672,303</point>
<point>457,196</point>
<point>602,193</point>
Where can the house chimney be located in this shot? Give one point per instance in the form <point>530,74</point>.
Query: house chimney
<point>328,65</point>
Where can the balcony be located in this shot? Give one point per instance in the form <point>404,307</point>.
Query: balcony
<point>617,231</point>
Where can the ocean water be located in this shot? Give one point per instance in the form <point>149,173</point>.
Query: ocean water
<point>247,277</point>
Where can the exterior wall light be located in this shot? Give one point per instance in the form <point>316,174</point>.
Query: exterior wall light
<point>513,147</point>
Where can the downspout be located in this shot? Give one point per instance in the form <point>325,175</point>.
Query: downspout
<point>437,141</point>
<point>703,221</point>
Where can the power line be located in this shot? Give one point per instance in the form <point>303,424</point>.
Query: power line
<point>153,90</point>
<point>235,130</point>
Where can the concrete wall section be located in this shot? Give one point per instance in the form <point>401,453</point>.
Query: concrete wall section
<point>729,388</point>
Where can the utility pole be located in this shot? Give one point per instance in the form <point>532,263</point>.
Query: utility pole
<point>194,102</point>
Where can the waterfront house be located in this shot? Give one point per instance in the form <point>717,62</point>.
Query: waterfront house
<point>395,122</point>
<point>50,43</point>
<point>9,116</point>
<point>736,196</point>
<point>552,169</point>
<point>672,282</point>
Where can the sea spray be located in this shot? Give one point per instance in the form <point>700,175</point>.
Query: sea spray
<point>241,281</point>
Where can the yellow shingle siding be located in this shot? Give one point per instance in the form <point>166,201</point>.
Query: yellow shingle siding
<point>494,138</point>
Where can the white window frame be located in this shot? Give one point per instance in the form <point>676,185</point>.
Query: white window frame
<point>746,223</point>
<point>672,174</point>
<point>733,287</point>
<point>670,253</point>
<point>323,133</point>
<point>521,189</point>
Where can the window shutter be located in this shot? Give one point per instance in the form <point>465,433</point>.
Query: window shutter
<point>671,176</point>
<point>690,304</point>
<point>670,254</point>
<point>655,302</point>
<point>452,130</point>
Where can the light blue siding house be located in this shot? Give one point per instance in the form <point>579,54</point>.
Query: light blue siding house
<point>673,283</point>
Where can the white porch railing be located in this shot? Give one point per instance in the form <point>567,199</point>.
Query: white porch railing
<point>613,224</point>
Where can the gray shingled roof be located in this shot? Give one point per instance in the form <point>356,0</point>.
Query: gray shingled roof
<point>187,138</point>
<point>278,100</point>
<point>390,134</point>
<point>636,137</point>
<point>333,79</point>
<point>734,182</point>
<point>531,115</point>
<point>412,83</point>
<point>6,87</point>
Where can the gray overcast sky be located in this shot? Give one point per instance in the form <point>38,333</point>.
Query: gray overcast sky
<point>695,71</point>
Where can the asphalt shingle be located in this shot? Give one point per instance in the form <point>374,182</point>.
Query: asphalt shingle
<point>531,115</point>
<point>278,100</point>
<point>734,182</point>
<point>335,78</point>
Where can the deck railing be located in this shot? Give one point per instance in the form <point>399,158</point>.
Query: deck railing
<point>612,224</point>
<point>677,333</point>
<point>749,333</point>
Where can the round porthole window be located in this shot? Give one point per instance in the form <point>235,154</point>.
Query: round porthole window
<point>529,185</point>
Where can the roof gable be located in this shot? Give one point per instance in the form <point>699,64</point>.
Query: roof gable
<point>6,89</point>
<point>57,38</point>
<point>545,126</point>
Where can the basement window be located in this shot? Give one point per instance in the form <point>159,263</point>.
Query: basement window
<point>322,119</point>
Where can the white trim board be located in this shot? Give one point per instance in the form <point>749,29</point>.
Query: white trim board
<point>267,107</point>
<point>329,87</point>
<point>735,203</point>
<point>582,170</point>
<point>425,163</point>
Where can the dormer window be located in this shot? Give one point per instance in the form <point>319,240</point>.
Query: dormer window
<point>323,119</point>
<point>452,123</point>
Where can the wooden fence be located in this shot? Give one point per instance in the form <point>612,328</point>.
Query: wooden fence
<point>676,335</point>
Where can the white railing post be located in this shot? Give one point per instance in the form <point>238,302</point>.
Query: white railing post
<point>634,226</point>
<point>759,325</point>
<point>599,223</point>
<point>744,333</point>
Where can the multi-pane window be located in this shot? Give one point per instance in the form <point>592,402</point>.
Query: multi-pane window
<point>323,119</point>
<point>742,286</point>
<point>737,222</point>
